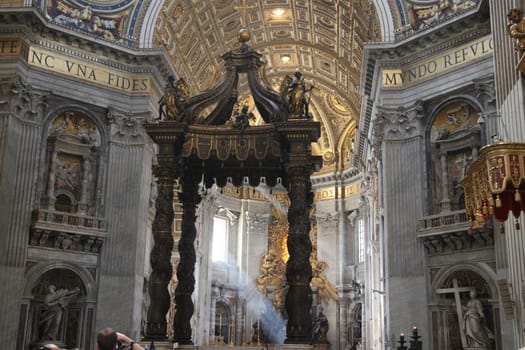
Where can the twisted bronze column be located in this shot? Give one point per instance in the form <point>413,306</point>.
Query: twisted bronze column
<point>298,270</point>
<point>189,198</point>
<point>160,257</point>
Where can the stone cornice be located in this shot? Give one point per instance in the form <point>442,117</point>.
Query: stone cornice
<point>419,47</point>
<point>448,34</point>
<point>347,176</point>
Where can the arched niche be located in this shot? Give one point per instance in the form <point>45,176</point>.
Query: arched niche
<point>71,163</point>
<point>453,139</point>
<point>450,297</point>
<point>59,300</point>
<point>223,322</point>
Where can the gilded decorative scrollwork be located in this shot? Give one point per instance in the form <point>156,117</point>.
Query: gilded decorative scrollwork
<point>273,267</point>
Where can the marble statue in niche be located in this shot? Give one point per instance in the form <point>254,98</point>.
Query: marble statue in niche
<point>469,314</point>
<point>56,294</point>
<point>56,302</point>
<point>477,333</point>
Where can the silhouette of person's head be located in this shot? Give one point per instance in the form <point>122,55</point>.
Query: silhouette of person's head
<point>106,339</point>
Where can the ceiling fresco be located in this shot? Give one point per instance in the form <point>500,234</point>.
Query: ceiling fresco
<point>115,21</point>
<point>417,15</point>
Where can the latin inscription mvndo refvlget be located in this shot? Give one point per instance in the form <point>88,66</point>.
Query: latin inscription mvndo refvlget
<point>394,78</point>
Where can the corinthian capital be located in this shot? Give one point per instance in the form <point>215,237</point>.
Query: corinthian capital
<point>22,99</point>
<point>399,123</point>
<point>126,127</point>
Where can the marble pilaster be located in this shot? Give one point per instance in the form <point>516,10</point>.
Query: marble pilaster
<point>20,134</point>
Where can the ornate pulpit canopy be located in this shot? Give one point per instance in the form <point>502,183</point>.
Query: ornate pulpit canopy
<point>495,184</point>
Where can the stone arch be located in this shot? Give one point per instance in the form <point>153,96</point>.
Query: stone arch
<point>72,154</point>
<point>452,140</point>
<point>346,143</point>
<point>36,271</point>
<point>74,319</point>
<point>65,201</point>
<point>148,26</point>
<point>54,112</point>
<point>223,318</point>
<point>386,21</point>
<point>482,269</point>
<point>434,113</point>
<point>455,283</point>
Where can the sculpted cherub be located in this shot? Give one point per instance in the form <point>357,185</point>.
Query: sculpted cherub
<point>516,29</point>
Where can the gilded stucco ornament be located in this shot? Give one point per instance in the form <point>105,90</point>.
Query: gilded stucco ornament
<point>516,29</point>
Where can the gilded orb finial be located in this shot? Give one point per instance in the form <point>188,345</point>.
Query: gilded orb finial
<point>244,35</point>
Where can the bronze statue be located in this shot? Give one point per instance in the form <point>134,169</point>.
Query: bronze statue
<point>293,94</point>
<point>241,119</point>
<point>320,328</point>
<point>176,94</point>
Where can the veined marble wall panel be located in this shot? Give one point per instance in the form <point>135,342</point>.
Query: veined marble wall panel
<point>333,240</point>
<point>203,270</point>
<point>19,146</point>
<point>85,260</point>
<point>256,219</point>
<point>123,256</point>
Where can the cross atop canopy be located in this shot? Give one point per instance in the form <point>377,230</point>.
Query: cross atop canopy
<point>243,7</point>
